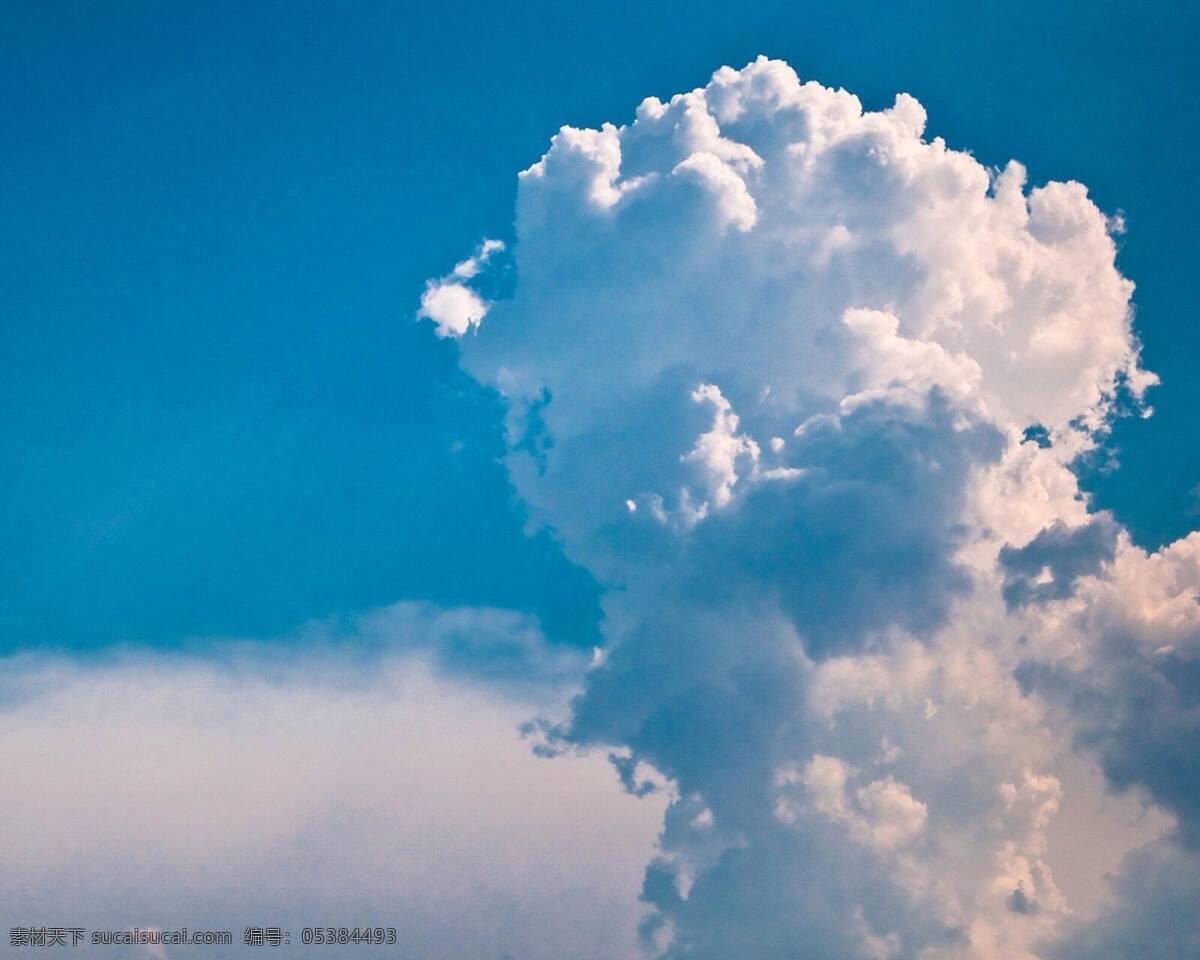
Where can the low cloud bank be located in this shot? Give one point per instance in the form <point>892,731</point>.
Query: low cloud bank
<point>349,777</point>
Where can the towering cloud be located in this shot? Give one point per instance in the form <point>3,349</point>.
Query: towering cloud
<point>771,363</point>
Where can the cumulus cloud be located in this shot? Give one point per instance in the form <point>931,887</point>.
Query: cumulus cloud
<point>453,305</point>
<point>868,630</point>
<point>881,814</point>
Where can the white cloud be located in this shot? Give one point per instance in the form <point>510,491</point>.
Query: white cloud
<point>466,269</point>
<point>891,815</point>
<point>719,450</point>
<point>901,370</point>
<point>761,258</point>
<point>450,303</point>
<point>734,206</point>
<point>333,782</point>
<point>882,814</point>
<point>453,308</point>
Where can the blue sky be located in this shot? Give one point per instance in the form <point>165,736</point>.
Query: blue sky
<point>430,496</point>
<point>219,415</point>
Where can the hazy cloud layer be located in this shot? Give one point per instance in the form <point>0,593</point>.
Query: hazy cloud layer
<point>350,779</point>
